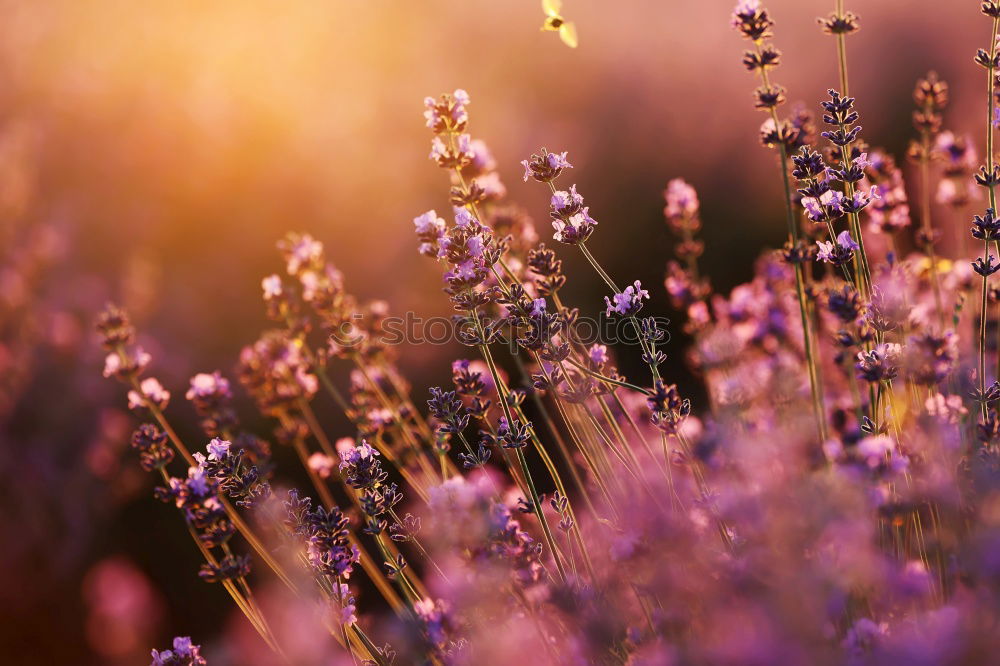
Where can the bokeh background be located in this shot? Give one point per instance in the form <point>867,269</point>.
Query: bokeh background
<point>153,152</point>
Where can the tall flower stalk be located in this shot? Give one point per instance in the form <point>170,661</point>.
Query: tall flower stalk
<point>755,24</point>
<point>931,96</point>
<point>473,254</point>
<point>988,177</point>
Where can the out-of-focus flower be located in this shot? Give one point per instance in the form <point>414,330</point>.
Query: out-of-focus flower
<point>322,464</point>
<point>153,393</point>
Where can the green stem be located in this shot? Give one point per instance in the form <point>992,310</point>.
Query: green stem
<point>522,461</point>
<point>816,391</point>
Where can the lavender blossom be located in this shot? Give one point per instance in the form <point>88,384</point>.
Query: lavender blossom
<point>430,230</point>
<point>513,435</point>
<point>361,468</point>
<point>879,364</point>
<point>197,498</point>
<point>628,302</point>
<point>212,399</point>
<point>448,112</point>
<point>840,253</point>
<point>448,410</point>
<point>545,167</point>
<point>155,451</point>
<point>127,364</point>
<point>184,653</point>
<point>233,475</point>
<point>152,393</point>
<point>325,535</point>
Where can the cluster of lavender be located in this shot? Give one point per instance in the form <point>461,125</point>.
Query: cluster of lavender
<point>201,495</point>
<point>832,502</point>
<point>184,653</point>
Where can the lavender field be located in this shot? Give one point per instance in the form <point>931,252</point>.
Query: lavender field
<point>375,333</point>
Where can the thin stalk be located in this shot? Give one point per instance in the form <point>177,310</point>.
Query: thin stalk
<point>650,361</point>
<point>519,452</point>
<point>819,409</point>
<point>420,547</point>
<point>982,339</point>
<point>606,379</point>
<point>990,104</point>
<point>842,52</point>
<point>560,443</point>
<point>925,213</point>
<point>384,399</point>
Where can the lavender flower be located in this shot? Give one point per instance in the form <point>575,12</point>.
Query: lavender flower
<point>570,218</point>
<point>302,252</point>
<point>470,383</point>
<point>127,364</point>
<point>841,114</point>
<point>986,227</point>
<point>930,358</point>
<point>889,211</point>
<point>228,568</point>
<point>325,534</point>
<point>448,409</point>
<point>153,446</point>
<point>276,372</point>
<point>598,356</point>
<point>628,302</point>
<point>360,466</point>
<point>544,263</point>
<point>232,474</point>
<point>987,266</point>
<point>272,287</point>
<point>879,364</point>
<point>448,157</point>
<point>197,498</point>
<point>845,303</point>
<point>670,521</point>
<point>752,21</point>
<point>448,112</point>
<point>115,328</point>
<point>344,605</point>
<point>545,166</point>
<point>184,653</point>
<point>152,393</point>
<point>435,621</point>
<point>839,253</point>
<point>212,399</point>
<point>513,435</point>
<point>681,201</point>
<point>430,230</point>
<point>842,23</point>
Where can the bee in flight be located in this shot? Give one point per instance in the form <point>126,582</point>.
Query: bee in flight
<point>554,22</point>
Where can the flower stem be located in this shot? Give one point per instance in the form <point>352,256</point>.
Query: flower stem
<point>533,492</point>
<point>819,409</point>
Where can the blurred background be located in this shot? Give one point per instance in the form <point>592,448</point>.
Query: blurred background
<point>154,152</point>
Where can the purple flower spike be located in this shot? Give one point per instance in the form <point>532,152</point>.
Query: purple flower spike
<point>545,167</point>
<point>838,253</point>
<point>184,653</point>
<point>628,302</point>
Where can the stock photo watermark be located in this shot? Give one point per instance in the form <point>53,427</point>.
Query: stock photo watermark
<point>413,329</point>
